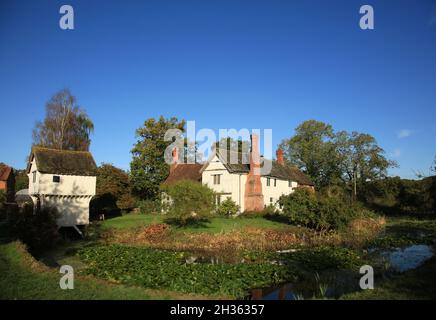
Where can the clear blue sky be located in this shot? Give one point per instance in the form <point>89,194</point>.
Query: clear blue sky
<point>225,64</point>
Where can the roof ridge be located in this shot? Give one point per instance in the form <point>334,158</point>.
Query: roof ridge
<point>60,150</point>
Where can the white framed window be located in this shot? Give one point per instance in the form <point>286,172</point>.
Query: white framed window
<point>268,182</point>
<point>216,179</point>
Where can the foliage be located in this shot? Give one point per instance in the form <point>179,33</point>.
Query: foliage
<point>21,180</point>
<point>301,208</point>
<point>312,149</point>
<point>103,204</point>
<point>150,206</point>
<point>189,201</point>
<point>38,231</point>
<point>66,126</point>
<point>169,270</point>
<point>227,208</point>
<point>115,182</point>
<point>304,207</point>
<point>324,258</point>
<point>148,168</point>
<point>23,277</point>
<point>2,200</point>
<point>396,196</point>
<point>329,157</point>
<point>360,158</point>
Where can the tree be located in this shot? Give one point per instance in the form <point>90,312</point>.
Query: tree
<point>21,180</point>
<point>113,189</point>
<point>360,158</point>
<point>148,168</point>
<point>66,126</point>
<point>312,149</point>
<point>113,180</point>
<point>189,201</point>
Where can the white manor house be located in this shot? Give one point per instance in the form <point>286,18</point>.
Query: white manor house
<point>250,189</point>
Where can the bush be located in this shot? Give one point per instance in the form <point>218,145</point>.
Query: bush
<point>150,206</point>
<point>322,213</point>
<point>301,208</point>
<point>104,204</point>
<point>189,201</point>
<point>227,208</point>
<point>38,231</point>
<point>2,200</point>
<point>126,202</point>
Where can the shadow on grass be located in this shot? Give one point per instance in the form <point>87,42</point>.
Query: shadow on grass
<point>277,218</point>
<point>191,223</point>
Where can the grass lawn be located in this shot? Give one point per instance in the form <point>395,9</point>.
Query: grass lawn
<point>22,277</point>
<point>214,225</point>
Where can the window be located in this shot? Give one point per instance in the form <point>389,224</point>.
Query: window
<point>271,200</point>
<point>34,176</point>
<point>216,179</point>
<point>56,179</point>
<point>275,182</point>
<point>289,183</point>
<point>218,200</point>
<point>268,182</point>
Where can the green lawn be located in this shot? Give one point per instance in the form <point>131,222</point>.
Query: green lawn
<point>22,277</point>
<point>214,225</point>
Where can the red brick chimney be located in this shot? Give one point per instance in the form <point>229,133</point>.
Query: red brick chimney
<point>175,159</point>
<point>253,198</point>
<point>279,154</point>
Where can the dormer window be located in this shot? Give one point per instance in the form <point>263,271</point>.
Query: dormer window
<point>56,179</point>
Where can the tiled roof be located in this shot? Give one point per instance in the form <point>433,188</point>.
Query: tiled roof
<point>5,171</point>
<point>184,171</point>
<point>284,172</point>
<point>80,163</point>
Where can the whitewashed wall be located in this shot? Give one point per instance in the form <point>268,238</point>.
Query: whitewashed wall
<point>71,195</point>
<point>274,192</point>
<point>231,185</point>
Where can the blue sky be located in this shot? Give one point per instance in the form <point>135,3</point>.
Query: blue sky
<point>225,64</point>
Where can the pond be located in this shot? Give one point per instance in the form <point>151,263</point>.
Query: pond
<point>404,259</point>
<point>337,283</point>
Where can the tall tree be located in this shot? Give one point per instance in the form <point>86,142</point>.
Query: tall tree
<point>312,149</point>
<point>66,126</point>
<point>360,159</point>
<point>148,168</point>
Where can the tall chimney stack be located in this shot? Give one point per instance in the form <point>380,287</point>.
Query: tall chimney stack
<point>279,154</point>
<point>253,198</point>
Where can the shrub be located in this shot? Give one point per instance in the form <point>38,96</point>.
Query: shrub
<point>104,204</point>
<point>2,200</point>
<point>301,207</point>
<point>126,202</point>
<point>189,201</point>
<point>38,231</point>
<point>227,208</point>
<point>150,206</point>
<point>322,213</point>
